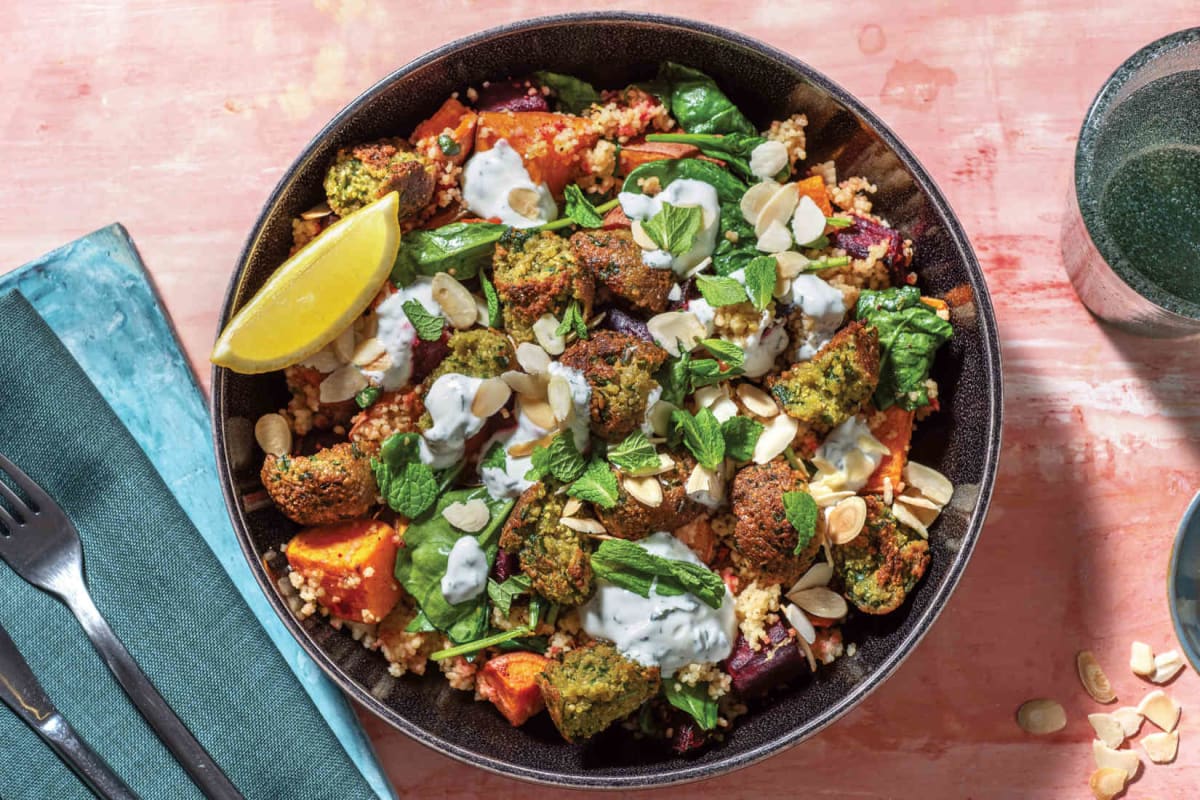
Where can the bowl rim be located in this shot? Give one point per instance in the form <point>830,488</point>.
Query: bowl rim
<point>1189,520</point>
<point>687,772</point>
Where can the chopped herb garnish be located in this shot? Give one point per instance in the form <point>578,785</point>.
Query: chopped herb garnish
<point>495,315</point>
<point>626,564</point>
<point>573,321</point>
<point>838,222</point>
<point>366,397</point>
<point>429,326</point>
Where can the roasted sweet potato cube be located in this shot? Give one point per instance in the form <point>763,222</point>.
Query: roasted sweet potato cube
<point>351,565</point>
<point>633,156</point>
<point>508,681</point>
<point>457,121</point>
<point>894,430</point>
<point>552,145</point>
<point>814,187</point>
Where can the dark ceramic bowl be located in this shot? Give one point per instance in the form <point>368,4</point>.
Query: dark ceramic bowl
<point>963,441</point>
<point>1183,583</point>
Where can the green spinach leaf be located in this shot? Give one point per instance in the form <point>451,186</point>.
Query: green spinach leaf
<point>736,243</point>
<point>692,700</point>
<point>910,333</point>
<point>459,248</point>
<point>729,188</point>
<point>573,95</point>
<point>734,149</point>
<point>698,104</point>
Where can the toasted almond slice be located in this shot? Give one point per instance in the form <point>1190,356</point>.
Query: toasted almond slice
<point>1130,719</point>
<point>1093,678</point>
<point>1161,747</point>
<point>800,622</point>
<point>821,601</point>
<point>470,516</point>
<point>929,482</point>
<point>1161,709</point>
<point>1108,729</point>
<point>647,491</point>
<point>844,522</point>
<point>756,401</point>
<point>1108,782</point>
<point>532,358</point>
<point>640,237</point>
<point>777,209</point>
<point>582,524</point>
<point>273,435</point>
<point>525,385</point>
<point>1041,716</point>
<point>809,222</point>
<point>572,506</point>
<point>490,397</point>
<point>755,198</point>
<point>827,497</point>
<point>1109,758</point>
<point>905,516</point>
<point>538,411</point>
<point>456,302</point>
<point>924,509</point>
<point>343,345</point>
<point>545,330</point>
<point>522,449</point>
<point>775,239</point>
<point>659,417</point>
<point>705,486</point>
<point>1141,659</point>
<point>665,464</point>
<point>915,501</point>
<point>524,201</point>
<point>808,653</point>
<point>342,384</point>
<point>318,211</point>
<point>789,264</point>
<point>367,352</point>
<point>558,394</point>
<point>1167,666</point>
<point>776,437</point>
<point>783,287</point>
<point>677,332</point>
<point>819,574</point>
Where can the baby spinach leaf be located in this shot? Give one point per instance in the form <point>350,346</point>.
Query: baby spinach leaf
<point>910,333</point>
<point>698,104</point>
<point>693,701</point>
<point>429,326</point>
<point>476,645</point>
<point>701,434</point>
<point>801,510</point>
<point>635,452</point>
<point>729,188</point>
<point>720,291</point>
<point>580,209</point>
<point>496,457</point>
<point>596,485</point>
<point>760,281</point>
<point>733,148</point>
<point>573,95</point>
<point>459,248</point>
<point>736,242</point>
<point>674,228</point>
<point>626,564</point>
<point>740,434</point>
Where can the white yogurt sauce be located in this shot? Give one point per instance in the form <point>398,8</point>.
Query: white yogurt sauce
<point>581,396</point>
<point>704,312</point>
<point>846,459</point>
<point>466,571</point>
<point>510,481</point>
<point>651,401</point>
<point>768,159</point>
<point>825,305</point>
<point>397,334</point>
<point>449,405</point>
<point>490,176</point>
<point>668,632</point>
<point>762,349</point>
<point>684,193</point>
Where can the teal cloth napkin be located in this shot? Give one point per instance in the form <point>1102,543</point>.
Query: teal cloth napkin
<point>165,595</point>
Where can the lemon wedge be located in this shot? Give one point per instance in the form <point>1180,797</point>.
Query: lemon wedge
<point>316,294</point>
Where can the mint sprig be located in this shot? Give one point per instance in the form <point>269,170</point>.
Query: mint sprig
<point>674,228</point>
<point>596,485</point>
<point>579,209</point>
<point>560,458</point>
<point>701,434</point>
<point>720,291</point>
<point>429,326</point>
<point>573,322</point>
<point>741,435</point>
<point>634,453</point>
<point>760,281</point>
<point>801,511</point>
<point>626,564</point>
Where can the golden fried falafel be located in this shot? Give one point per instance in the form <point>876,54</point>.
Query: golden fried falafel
<point>631,519</point>
<point>331,485</point>
<point>620,371</point>
<point>556,558</point>
<point>537,274</point>
<point>593,687</point>
<point>836,384</point>
<point>364,173</point>
<point>882,565</point>
<point>615,261</point>
<point>762,535</point>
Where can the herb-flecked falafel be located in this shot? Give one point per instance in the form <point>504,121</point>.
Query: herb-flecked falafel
<point>593,687</point>
<point>763,536</point>
<point>836,384</point>
<point>555,558</point>
<point>620,370</point>
<point>331,485</point>
<point>537,274</point>
<point>615,260</point>
<point>882,564</point>
<point>632,519</point>
<point>362,174</point>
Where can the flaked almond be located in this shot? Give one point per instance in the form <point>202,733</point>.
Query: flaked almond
<point>844,522</point>
<point>640,238</point>
<point>342,384</point>
<point>457,303</point>
<point>582,524</point>
<point>809,656</point>
<point>756,401</point>
<point>318,211</point>
<point>677,332</point>
<point>821,601</point>
<point>665,464</point>
<point>809,222</point>
<point>343,345</point>
<point>783,286</point>
<point>367,353</point>
<point>1092,676</point>
<point>755,198</point>
<point>572,506</point>
<point>490,397</point>
<point>1108,729</point>
<point>905,516</point>
<point>929,482</point>
<point>1166,666</point>
<point>1108,782</point>
<point>522,449</point>
<point>1129,718</point>
<point>470,516</point>
<point>647,490</point>
<point>532,358</point>
<point>1109,758</point>
<point>1161,709</point>
<point>774,239</point>
<point>525,201</point>
<point>538,411</point>
<point>558,394</point>
<point>827,497</point>
<point>1041,716</point>
<point>705,486</point>
<point>776,437</point>
<point>1161,747</point>
<point>1141,659</point>
<point>789,264</point>
<point>778,209</point>
<point>545,330</point>
<point>659,417</point>
<point>800,621</point>
<point>818,575</point>
<point>273,435</point>
<point>922,508</point>
<point>525,385</point>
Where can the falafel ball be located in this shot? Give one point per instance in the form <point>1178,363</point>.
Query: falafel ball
<point>537,274</point>
<point>762,534</point>
<point>362,174</point>
<point>329,486</point>
<point>615,261</point>
<point>478,353</point>
<point>556,558</point>
<point>882,564</point>
<point>620,369</point>
<point>631,519</point>
<point>836,384</point>
<point>593,687</point>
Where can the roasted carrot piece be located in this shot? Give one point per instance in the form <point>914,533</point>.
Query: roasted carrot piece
<point>935,303</point>
<point>634,155</point>
<point>353,563</point>
<point>894,431</point>
<point>454,119</point>
<point>552,145</point>
<point>814,187</point>
<point>508,681</point>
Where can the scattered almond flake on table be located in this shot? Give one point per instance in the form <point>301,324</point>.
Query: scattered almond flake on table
<point>1108,782</point>
<point>1161,709</point>
<point>1041,716</point>
<point>1093,678</point>
<point>1166,666</point>
<point>1130,719</point>
<point>1161,748</point>
<point>1108,729</point>
<point>1108,757</point>
<point>1141,659</point>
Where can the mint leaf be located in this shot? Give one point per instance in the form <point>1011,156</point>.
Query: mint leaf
<point>634,453</point>
<point>496,457</point>
<point>448,146</point>
<point>503,594</point>
<point>573,321</point>
<point>801,511</point>
<point>560,459</point>
<point>628,565</point>
<point>580,210</point>
<point>675,379</point>
<point>674,228</point>
<point>760,281</point>
<point>597,485</point>
<point>728,352</point>
<point>412,490</point>
<point>706,371</point>
<point>694,701</point>
<point>367,397</point>
<point>429,326</point>
<point>399,449</point>
<point>720,291</point>
<point>740,434</point>
<point>495,317</point>
<point>701,434</point>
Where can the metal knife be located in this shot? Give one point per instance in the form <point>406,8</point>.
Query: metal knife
<point>21,692</point>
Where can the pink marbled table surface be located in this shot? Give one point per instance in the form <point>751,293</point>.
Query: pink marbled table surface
<point>178,118</point>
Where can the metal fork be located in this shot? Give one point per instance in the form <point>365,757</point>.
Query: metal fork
<point>43,547</point>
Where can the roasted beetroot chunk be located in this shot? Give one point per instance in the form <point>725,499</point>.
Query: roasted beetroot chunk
<point>621,322</point>
<point>507,564</point>
<point>755,672</point>
<point>510,96</point>
<point>688,736</point>
<point>864,234</point>
<point>427,355</point>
